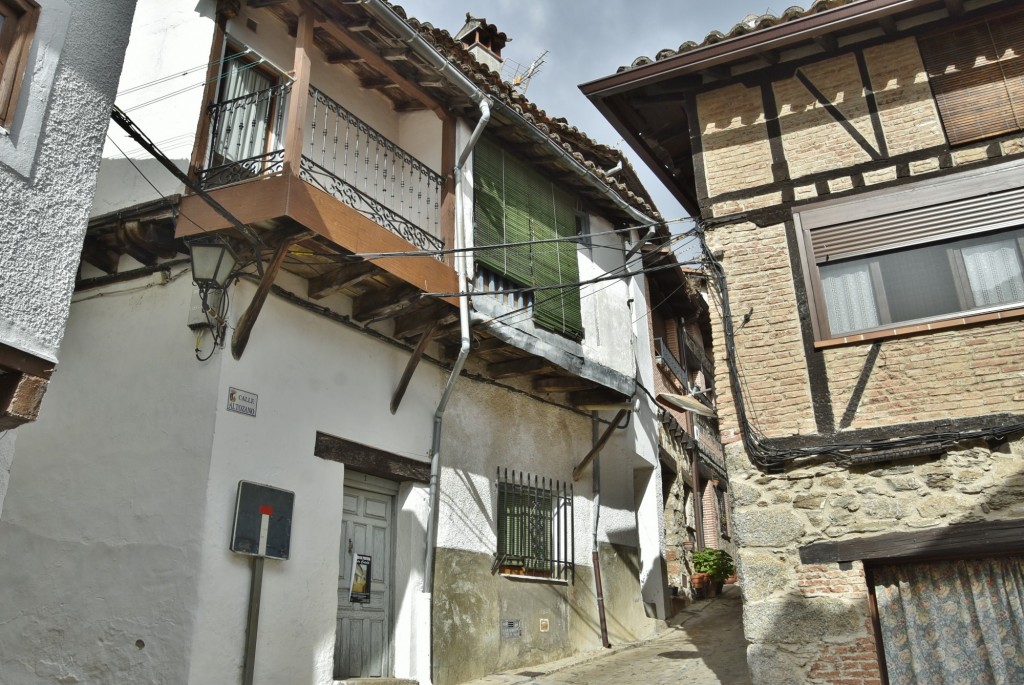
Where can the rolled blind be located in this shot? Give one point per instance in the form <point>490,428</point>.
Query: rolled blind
<point>516,204</point>
<point>977,77</point>
<point>919,226</point>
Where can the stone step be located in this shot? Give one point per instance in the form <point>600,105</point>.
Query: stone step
<point>376,681</point>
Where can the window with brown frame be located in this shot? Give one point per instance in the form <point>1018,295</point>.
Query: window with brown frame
<point>977,76</point>
<point>17,25</point>
<point>958,253</point>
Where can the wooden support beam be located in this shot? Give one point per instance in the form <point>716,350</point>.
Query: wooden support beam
<point>490,345</point>
<point>827,42</point>
<point>264,3</point>
<point>375,83</point>
<point>297,103</point>
<point>344,35</point>
<point>371,460</point>
<point>384,304</point>
<point>360,27</point>
<point>955,7</point>
<point>888,25</point>
<point>769,57</point>
<point>248,319</point>
<point>341,278</point>
<point>395,54</point>
<point>563,384</point>
<point>100,256</point>
<point>518,367</point>
<point>21,395</point>
<point>596,449</point>
<point>13,359</point>
<point>600,396</point>
<point>418,321</point>
<point>410,368</point>
<point>448,189</point>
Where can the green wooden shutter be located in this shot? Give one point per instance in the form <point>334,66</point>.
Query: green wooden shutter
<point>489,206</point>
<point>558,309</point>
<point>516,204</point>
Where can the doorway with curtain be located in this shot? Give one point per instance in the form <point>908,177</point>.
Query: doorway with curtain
<point>951,622</point>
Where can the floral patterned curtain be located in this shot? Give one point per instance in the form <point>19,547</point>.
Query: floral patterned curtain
<point>947,623</point>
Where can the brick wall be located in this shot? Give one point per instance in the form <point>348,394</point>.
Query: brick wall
<point>810,624</point>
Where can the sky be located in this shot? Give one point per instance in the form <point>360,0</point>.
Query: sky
<point>587,40</point>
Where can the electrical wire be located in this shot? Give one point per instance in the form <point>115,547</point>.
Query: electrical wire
<point>148,84</point>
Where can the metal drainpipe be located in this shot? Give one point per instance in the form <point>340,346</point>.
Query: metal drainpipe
<point>598,588</point>
<point>462,261</point>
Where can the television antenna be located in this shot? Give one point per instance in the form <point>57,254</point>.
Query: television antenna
<point>521,79</point>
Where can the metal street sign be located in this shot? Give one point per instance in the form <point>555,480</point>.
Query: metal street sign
<point>263,521</point>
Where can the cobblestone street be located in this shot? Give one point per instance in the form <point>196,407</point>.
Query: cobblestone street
<point>705,646</point>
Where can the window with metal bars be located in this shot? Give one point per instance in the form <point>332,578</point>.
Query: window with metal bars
<point>536,538</point>
<point>515,206</point>
<point>976,72</point>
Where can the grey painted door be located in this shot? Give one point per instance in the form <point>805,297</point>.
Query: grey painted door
<point>362,644</point>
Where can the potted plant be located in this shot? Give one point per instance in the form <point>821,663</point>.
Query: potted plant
<point>716,563</point>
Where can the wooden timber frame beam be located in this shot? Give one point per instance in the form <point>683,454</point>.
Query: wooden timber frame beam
<point>22,385</point>
<point>371,58</point>
<point>410,367</point>
<point>297,103</point>
<point>243,330</point>
<point>596,449</point>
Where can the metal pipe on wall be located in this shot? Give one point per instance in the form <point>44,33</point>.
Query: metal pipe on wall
<point>598,588</point>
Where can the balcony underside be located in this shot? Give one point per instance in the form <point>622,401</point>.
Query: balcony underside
<point>387,288</point>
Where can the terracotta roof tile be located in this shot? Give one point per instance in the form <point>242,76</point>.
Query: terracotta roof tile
<point>750,24</point>
<point>595,156</point>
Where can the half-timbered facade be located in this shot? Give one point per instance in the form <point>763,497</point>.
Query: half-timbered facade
<point>429,335</point>
<point>856,167</point>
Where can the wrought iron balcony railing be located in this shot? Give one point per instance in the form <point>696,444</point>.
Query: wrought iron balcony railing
<point>348,159</point>
<point>342,155</point>
<point>709,440</point>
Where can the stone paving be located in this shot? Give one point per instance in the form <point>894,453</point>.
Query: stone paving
<point>704,646</point>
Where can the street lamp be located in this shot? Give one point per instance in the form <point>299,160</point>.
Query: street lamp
<point>212,264</point>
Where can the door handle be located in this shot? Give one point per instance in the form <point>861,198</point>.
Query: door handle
<point>350,546</point>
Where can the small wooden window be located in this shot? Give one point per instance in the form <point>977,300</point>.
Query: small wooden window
<point>977,76</point>
<point>17,25</point>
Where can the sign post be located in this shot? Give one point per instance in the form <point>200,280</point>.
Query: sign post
<point>263,524</point>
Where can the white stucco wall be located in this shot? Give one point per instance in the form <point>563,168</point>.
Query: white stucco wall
<point>161,89</point>
<point>100,531</point>
<point>48,164</point>
<point>311,375</point>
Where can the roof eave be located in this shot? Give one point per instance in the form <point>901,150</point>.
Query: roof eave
<point>750,44</point>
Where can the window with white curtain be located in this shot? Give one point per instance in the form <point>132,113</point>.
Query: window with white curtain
<point>923,282</point>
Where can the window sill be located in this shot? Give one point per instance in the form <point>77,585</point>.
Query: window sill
<point>534,579</point>
<point>914,329</point>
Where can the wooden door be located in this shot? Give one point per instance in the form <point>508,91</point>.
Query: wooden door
<point>363,638</point>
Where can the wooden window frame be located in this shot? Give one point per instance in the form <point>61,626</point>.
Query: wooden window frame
<point>16,34</point>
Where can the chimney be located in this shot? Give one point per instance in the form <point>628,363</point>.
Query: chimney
<point>484,41</point>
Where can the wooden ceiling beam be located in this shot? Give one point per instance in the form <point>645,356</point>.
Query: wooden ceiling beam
<point>384,304</point>
<point>955,7</point>
<point>524,366</point>
<point>827,42</point>
<point>339,279</point>
<point>345,36</point>
<point>563,384</point>
<point>414,323</point>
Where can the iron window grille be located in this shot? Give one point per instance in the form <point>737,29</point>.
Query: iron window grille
<point>536,538</point>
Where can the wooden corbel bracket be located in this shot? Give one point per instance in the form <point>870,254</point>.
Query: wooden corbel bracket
<point>243,330</point>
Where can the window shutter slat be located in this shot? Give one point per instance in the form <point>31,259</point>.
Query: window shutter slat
<point>919,226</point>
<point>489,206</point>
<point>975,74</point>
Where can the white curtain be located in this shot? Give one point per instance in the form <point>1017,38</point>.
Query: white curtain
<point>849,297</point>
<point>994,270</point>
<point>242,131</point>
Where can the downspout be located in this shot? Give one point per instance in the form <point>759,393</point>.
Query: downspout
<point>598,587</point>
<point>462,262</point>
<point>387,17</point>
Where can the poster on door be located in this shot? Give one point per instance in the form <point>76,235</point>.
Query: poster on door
<point>359,593</point>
